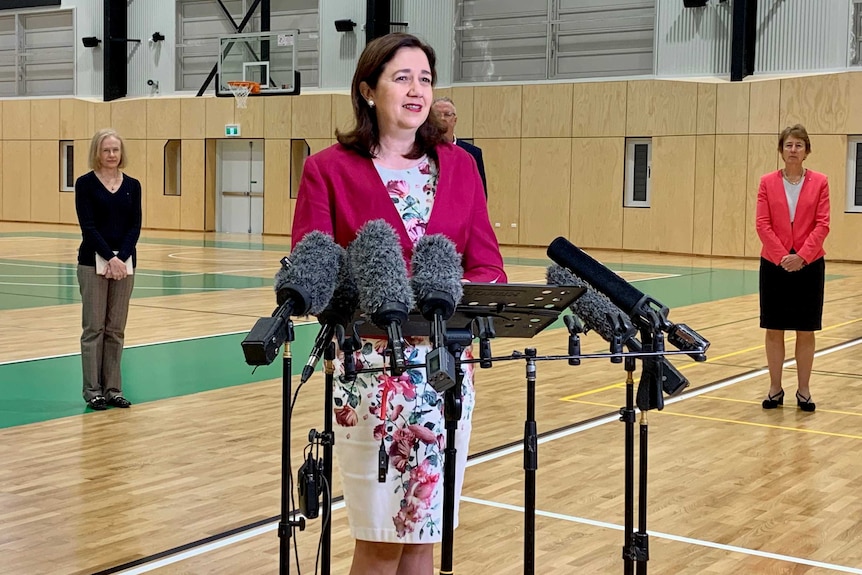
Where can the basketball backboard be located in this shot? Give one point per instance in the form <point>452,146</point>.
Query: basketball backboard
<point>267,58</point>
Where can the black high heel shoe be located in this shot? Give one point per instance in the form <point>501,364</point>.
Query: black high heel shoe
<point>773,401</point>
<point>804,403</point>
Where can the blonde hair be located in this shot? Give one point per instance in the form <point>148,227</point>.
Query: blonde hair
<point>96,145</point>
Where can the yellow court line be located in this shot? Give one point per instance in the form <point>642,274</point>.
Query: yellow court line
<point>819,410</point>
<point>739,422</point>
<point>694,364</point>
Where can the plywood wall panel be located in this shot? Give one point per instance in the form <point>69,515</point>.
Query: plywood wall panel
<point>219,111</point>
<point>161,211</point>
<point>102,117</point>
<point>193,121</point>
<point>765,107</point>
<point>44,181</point>
<point>16,120</point>
<point>129,118</point>
<point>45,120</point>
<point>704,178</point>
<point>252,118</point>
<point>278,110</point>
<point>844,241</point>
<point>276,197</point>
<point>311,116</point>
<point>16,179</point>
<point>75,119</point>
<point>706,96</point>
<point>820,103</point>
<point>503,169</point>
<point>730,192</point>
<point>672,192</point>
<point>193,190</point>
<point>342,114</point>
<point>464,101</point>
<point>546,111</point>
<point>661,108</point>
<point>164,118</point>
<point>732,107</point>
<point>762,158</point>
<point>598,170</point>
<point>599,109</point>
<point>497,111</point>
<point>546,169</point>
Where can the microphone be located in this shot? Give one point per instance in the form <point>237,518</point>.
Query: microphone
<point>603,317</point>
<point>644,310</point>
<point>436,282</point>
<point>339,313</point>
<point>381,281</point>
<point>303,285</point>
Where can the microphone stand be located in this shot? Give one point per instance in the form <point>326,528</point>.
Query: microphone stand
<point>286,525</point>
<point>531,464</point>
<point>328,440</point>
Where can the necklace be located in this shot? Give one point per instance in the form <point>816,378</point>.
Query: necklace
<point>793,182</point>
<point>113,183</point>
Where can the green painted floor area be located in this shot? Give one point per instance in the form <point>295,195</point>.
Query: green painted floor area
<point>27,284</point>
<point>40,390</point>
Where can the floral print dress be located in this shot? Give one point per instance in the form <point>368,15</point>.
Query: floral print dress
<point>402,416</point>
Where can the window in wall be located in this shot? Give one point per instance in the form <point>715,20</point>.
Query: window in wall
<point>173,167</point>
<point>37,54</point>
<point>201,22</point>
<point>299,151</point>
<point>638,162</point>
<point>67,166</point>
<point>547,39</point>
<point>854,174</point>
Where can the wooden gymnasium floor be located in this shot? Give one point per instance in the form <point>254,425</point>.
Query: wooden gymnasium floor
<point>187,481</point>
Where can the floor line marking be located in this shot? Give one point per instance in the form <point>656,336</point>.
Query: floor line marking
<point>671,537</point>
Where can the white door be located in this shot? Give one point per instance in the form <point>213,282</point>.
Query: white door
<point>239,179</point>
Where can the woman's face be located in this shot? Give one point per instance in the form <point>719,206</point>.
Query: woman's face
<point>403,95</point>
<point>793,151</point>
<point>110,153</point>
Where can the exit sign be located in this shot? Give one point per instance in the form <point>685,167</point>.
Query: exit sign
<point>231,130</point>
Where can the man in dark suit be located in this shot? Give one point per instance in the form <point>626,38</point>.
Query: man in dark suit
<point>444,110</point>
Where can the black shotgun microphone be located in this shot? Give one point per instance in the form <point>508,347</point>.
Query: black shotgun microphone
<point>601,316</point>
<point>303,286</point>
<point>378,266</point>
<point>436,282</point>
<point>339,312</point>
<point>645,311</point>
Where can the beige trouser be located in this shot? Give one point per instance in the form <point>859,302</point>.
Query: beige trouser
<point>105,310</point>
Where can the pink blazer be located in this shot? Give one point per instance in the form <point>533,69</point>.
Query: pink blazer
<point>340,191</point>
<point>809,229</point>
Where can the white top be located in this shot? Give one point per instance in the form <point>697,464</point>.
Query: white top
<point>792,193</point>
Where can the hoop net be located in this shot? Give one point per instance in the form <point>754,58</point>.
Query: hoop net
<point>241,90</point>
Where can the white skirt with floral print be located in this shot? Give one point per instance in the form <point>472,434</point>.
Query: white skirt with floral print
<point>406,414</point>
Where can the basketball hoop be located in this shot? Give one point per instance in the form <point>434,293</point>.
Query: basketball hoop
<point>241,90</point>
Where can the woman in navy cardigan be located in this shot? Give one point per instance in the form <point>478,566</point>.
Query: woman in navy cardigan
<point>395,166</point>
<point>792,222</point>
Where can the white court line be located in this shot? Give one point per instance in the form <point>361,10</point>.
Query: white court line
<point>502,453</point>
<point>655,277</point>
<point>670,537</point>
<point>214,546</point>
<point>72,285</point>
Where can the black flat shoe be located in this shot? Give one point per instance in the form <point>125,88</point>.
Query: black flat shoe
<point>804,403</point>
<point>120,401</point>
<point>773,401</point>
<point>99,403</point>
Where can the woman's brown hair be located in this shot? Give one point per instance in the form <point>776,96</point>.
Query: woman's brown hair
<point>364,138</point>
<point>795,131</point>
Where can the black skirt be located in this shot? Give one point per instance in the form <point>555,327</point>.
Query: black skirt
<point>792,300</point>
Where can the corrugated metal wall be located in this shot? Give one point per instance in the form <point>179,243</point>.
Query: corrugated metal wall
<point>434,22</point>
<point>151,60</point>
<point>792,36</point>
<point>89,21</point>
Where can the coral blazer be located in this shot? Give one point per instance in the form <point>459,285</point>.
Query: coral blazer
<point>806,234</point>
<point>340,191</point>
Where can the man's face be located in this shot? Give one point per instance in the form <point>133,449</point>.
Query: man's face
<point>445,114</point>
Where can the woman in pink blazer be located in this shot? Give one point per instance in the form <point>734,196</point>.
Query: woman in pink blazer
<point>792,222</point>
<point>395,166</point>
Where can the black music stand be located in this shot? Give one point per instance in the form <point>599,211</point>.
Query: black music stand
<point>514,310</point>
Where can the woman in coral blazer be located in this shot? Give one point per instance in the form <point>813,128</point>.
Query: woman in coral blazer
<point>792,222</point>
